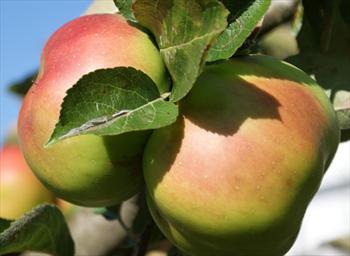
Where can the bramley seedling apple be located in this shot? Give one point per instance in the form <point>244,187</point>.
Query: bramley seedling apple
<point>20,190</point>
<point>87,170</point>
<point>235,173</point>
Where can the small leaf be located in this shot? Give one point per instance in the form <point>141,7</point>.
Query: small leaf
<point>184,30</point>
<point>42,229</point>
<point>21,87</point>
<point>244,16</point>
<point>112,102</point>
<point>125,8</point>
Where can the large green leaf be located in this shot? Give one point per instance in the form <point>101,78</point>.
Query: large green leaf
<point>111,102</point>
<point>243,18</point>
<point>43,229</point>
<point>324,42</point>
<point>184,30</point>
<point>125,8</point>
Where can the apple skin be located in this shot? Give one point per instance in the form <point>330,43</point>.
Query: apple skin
<point>235,173</point>
<point>86,170</point>
<point>20,190</point>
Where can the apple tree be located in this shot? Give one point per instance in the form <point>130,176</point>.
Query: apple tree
<point>219,128</point>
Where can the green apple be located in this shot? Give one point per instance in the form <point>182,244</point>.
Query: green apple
<point>86,170</point>
<point>20,190</point>
<point>235,173</point>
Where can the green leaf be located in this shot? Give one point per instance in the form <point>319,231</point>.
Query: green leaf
<point>42,229</point>
<point>111,102</point>
<point>184,30</point>
<point>22,86</point>
<point>244,17</point>
<point>324,50</point>
<point>4,224</point>
<point>125,8</point>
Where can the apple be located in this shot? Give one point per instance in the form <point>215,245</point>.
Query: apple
<point>20,190</point>
<point>235,173</point>
<point>86,170</point>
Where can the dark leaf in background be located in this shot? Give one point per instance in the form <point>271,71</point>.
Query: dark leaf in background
<point>125,8</point>
<point>43,229</point>
<point>22,86</point>
<point>111,102</point>
<point>174,252</point>
<point>184,30</point>
<point>244,17</point>
<point>4,224</point>
<point>324,42</point>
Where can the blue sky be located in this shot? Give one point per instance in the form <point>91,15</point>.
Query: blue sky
<point>25,26</point>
